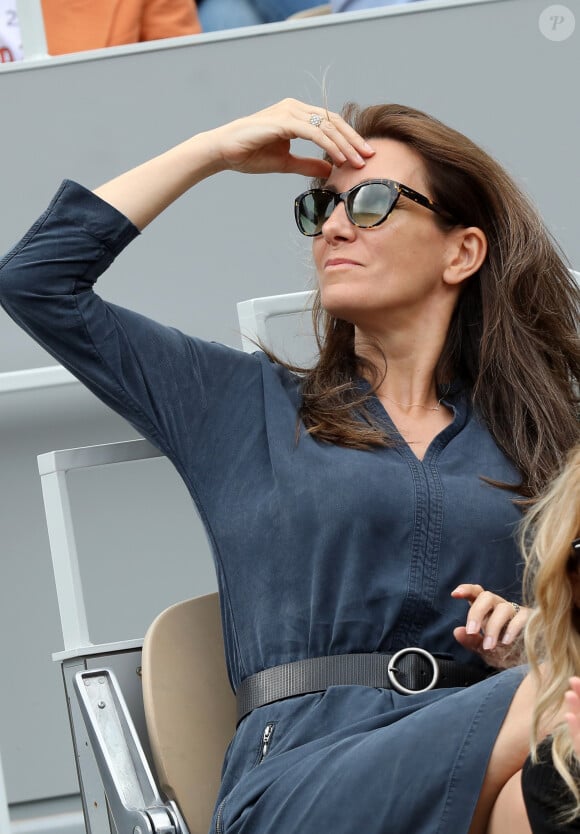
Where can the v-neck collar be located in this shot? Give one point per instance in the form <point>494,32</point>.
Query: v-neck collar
<point>456,398</point>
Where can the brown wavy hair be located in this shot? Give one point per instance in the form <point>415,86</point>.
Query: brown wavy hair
<point>552,635</point>
<point>513,338</point>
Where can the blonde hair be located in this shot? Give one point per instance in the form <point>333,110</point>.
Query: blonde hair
<point>552,637</point>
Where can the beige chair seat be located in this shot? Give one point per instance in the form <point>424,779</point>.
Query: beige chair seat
<point>190,708</point>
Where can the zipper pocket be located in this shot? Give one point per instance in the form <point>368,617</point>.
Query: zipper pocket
<point>266,740</point>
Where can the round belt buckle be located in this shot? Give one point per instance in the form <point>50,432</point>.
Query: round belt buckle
<point>392,670</point>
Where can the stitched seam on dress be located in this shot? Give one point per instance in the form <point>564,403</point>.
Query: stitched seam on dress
<point>433,464</point>
<point>405,631</point>
<point>435,523</point>
<point>219,817</point>
<point>440,444</point>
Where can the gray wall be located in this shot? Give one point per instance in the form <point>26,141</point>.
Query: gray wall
<point>483,67</point>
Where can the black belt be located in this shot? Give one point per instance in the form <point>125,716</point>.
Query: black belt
<point>408,671</point>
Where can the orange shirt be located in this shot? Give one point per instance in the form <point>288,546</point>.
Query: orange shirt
<point>77,25</point>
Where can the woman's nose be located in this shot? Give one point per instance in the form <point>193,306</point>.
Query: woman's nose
<point>338,225</point>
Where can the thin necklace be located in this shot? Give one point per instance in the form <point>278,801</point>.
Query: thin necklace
<point>413,405</point>
<point>416,405</point>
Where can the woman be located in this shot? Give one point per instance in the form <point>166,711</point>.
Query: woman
<point>551,539</point>
<point>356,510</point>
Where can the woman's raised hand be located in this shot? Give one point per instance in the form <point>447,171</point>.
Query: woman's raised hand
<point>572,709</point>
<point>261,143</point>
<point>257,144</point>
<point>492,625</point>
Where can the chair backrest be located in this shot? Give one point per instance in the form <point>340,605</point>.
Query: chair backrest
<point>190,708</point>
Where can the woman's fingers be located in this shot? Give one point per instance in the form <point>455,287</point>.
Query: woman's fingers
<point>500,657</point>
<point>483,610</point>
<point>473,642</point>
<point>348,144</point>
<point>502,622</point>
<point>515,625</point>
<point>572,705</point>
<point>308,166</point>
<point>467,591</point>
<point>330,132</point>
<point>260,143</point>
<point>497,620</point>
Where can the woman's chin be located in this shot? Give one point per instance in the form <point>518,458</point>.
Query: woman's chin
<point>340,303</point>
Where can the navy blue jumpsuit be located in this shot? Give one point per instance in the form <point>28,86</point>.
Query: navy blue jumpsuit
<point>318,549</point>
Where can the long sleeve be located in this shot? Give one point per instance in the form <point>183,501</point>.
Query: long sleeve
<point>171,387</point>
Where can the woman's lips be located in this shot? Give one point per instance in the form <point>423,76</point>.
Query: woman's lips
<point>337,262</point>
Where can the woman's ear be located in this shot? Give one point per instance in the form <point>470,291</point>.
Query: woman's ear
<point>465,254</point>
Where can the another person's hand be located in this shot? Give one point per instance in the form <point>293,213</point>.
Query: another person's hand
<point>492,626</point>
<point>572,708</point>
<point>260,143</point>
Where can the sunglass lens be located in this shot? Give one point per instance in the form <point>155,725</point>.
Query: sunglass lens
<point>371,203</point>
<point>314,208</point>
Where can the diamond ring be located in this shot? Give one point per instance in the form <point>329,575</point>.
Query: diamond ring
<point>315,120</point>
<point>516,608</point>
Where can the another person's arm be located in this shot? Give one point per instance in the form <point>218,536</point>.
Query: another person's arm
<point>572,707</point>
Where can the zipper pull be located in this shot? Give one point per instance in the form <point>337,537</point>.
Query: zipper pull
<point>266,739</point>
